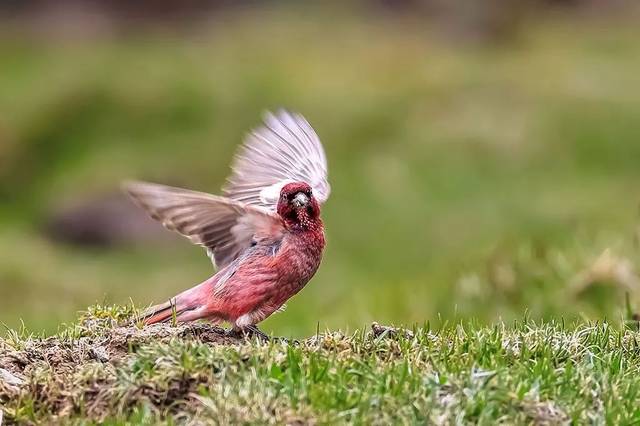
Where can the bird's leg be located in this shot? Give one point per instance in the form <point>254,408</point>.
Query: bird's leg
<point>247,331</point>
<point>234,333</point>
<point>252,329</point>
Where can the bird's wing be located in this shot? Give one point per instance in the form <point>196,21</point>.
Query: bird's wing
<point>285,149</point>
<point>225,227</point>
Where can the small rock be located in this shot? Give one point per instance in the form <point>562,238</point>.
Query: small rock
<point>7,377</point>
<point>379,330</point>
<point>99,353</point>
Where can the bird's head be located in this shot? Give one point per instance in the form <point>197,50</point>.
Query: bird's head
<point>297,205</point>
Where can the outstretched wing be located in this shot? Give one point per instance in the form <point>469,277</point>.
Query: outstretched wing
<point>285,149</point>
<point>225,227</point>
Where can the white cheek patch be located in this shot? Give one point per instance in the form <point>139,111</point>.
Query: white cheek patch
<point>270,194</point>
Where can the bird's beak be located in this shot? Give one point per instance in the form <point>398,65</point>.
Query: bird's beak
<point>300,200</point>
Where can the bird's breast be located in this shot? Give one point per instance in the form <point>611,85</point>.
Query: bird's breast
<point>299,257</point>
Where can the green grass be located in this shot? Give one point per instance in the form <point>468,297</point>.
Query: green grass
<point>462,373</point>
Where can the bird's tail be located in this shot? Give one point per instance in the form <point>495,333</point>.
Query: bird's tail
<point>189,305</point>
<point>162,312</point>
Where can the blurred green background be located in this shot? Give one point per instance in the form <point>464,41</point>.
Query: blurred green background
<point>484,159</point>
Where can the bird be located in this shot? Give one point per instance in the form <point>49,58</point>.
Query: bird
<point>264,234</point>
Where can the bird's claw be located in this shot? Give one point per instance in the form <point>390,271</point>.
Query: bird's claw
<point>253,331</point>
<point>247,332</point>
<point>234,333</point>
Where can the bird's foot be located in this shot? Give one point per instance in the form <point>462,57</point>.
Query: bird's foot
<point>234,333</point>
<point>253,331</point>
<point>247,332</point>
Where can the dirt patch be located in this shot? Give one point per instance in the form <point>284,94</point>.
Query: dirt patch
<point>125,339</point>
<point>108,345</point>
<point>96,368</point>
<point>46,370</point>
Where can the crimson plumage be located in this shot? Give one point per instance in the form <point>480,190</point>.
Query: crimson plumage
<point>265,234</point>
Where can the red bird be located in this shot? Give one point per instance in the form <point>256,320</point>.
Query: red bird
<point>264,234</point>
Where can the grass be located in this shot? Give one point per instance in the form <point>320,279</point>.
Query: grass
<point>94,371</point>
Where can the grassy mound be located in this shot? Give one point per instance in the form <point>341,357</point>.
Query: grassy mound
<point>97,371</point>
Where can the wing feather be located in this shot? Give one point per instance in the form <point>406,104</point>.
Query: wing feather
<point>223,226</point>
<point>285,149</point>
